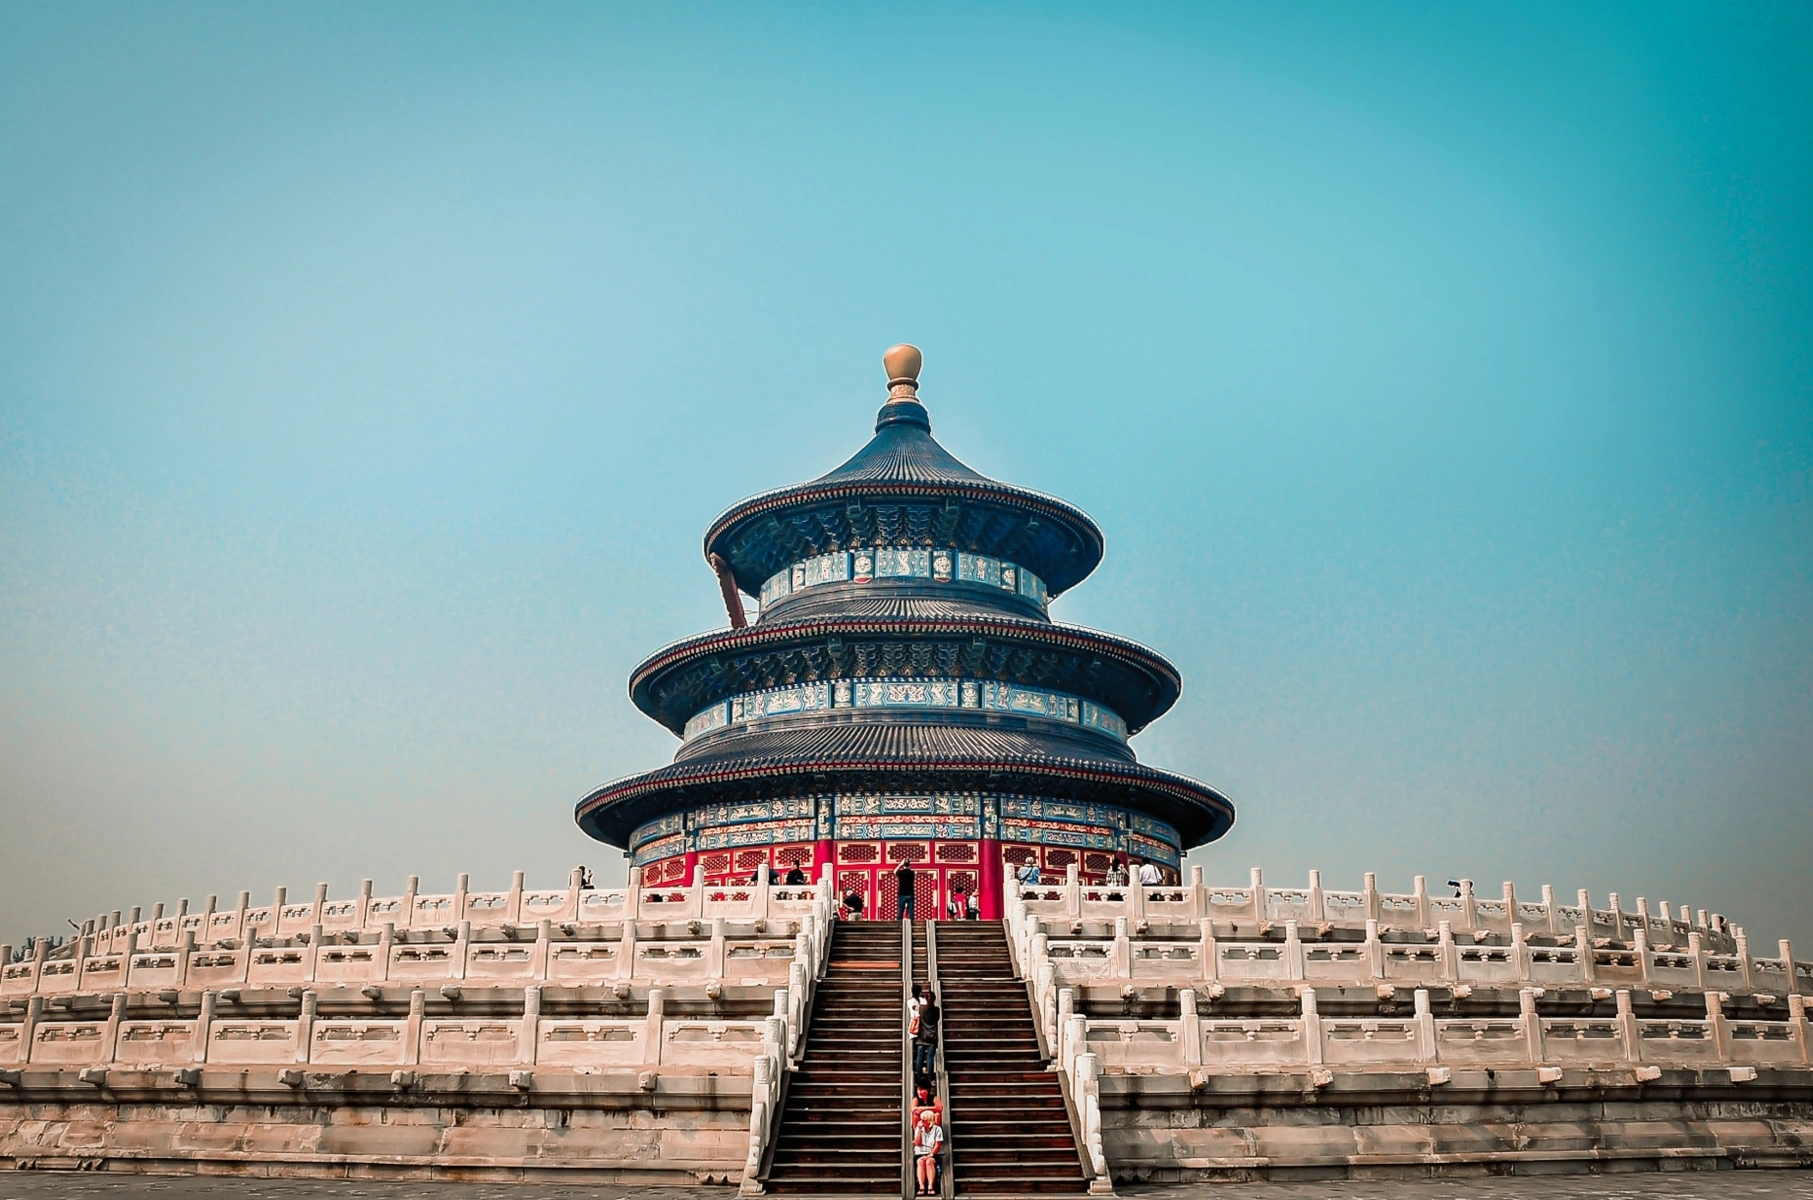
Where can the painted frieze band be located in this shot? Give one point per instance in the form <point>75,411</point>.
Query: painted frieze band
<point>868,564</point>
<point>986,695</point>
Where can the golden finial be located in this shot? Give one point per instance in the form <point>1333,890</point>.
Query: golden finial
<point>903,363</point>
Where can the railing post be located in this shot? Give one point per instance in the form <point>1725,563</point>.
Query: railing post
<point>1744,965</point>
<point>1311,1022</point>
<point>1425,1027</point>
<point>513,908</point>
<point>1520,953</point>
<point>1641,937</point>
<point>1315,896</point>
<point>1715,1018</point>
<point>1696,948</point>
<point>364,904</point>
<point>1419,891</point>
<point>1369,894</point>
<point>1627,1028</point>
<point>204,1029</point>
<point>1261,905</point>
<point>1293,952</point>
<point>1803,1031</point>
<point>1469,909</point>
<point>1375,951</point>
<point>1532,1024</point>
<point>315,937</point>
<point>1445,951</point>
<point>1548,908</point>
<point>528,1038</point>
<point>1209,951</point>
<point>626,945</point>
<point>386,936</point>
<point>1190,1028</point>
<point>412,1028</point>
<point>407,916</point>
<point>305,1026</point>
<point>652,1033</point>
<point>1583,948</point>
<point>714,954</point>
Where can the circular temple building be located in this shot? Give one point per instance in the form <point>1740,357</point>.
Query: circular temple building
<point>904,695</point>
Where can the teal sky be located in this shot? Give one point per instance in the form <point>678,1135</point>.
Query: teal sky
<point>1440,374</point>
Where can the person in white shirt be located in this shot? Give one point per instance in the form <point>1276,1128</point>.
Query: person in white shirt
<point>1149,875</point>
<point>927,1135</point>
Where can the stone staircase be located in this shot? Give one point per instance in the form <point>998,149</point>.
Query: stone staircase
<point>1010,1131</point>
<point>841,1123</point>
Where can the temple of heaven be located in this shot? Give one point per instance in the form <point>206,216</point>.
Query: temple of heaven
<point>903,695</point>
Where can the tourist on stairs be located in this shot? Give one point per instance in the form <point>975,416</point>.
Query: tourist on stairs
<point>925,1041</point>
<point>927,1136</point>
<point>904,879</point>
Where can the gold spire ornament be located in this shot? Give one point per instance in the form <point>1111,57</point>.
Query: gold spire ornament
<point>903,363</point>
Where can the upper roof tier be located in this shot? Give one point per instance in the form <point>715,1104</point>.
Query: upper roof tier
<point>904,489</point>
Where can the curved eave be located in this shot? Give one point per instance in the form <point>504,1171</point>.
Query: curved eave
<point>1059,577</point>
<point>610,814</point>
<point>1167,683</point>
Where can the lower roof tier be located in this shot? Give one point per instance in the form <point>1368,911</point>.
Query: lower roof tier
<point>908,758</point>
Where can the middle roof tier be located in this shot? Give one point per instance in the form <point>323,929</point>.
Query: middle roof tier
<point>675,683</point>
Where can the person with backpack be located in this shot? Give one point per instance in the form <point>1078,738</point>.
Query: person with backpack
<point>925,1038</point>
<point>905,878</point>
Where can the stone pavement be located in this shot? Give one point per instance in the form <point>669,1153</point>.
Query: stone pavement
<point>1708,1185</point>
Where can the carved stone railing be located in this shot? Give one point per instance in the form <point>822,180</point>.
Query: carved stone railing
<point>1311,1042</point>
<point>1258,906</point>
<point>744,949</point>
<point>518,907</point>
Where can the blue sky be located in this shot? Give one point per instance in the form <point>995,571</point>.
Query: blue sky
<point>1440,375</point>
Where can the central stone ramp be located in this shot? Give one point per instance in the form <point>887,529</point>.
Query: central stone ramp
<point>841,1125</point>
<point>1010,1131</point>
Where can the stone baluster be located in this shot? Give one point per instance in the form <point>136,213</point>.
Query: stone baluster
<point>1199,900</point>
<point>462,946</point>
<point>652,1033</point>
<point>1369,894</point>
<point>387,936</point>
<point>513,909</point>
<point>1311,1022</point>
<point>1746,968</point>
<point>204,1029</point>
<point>1715,1020</point>
<point>714,954</point>
<point>1696,947</point>
<point>1628,1032</point>
<point>462,889</point>
<point>1317,902</point>
<point>528,1037</point>
<point>1087,1078</point>
<point>1520,953</point>
<point>1583,949</point>
<point>1209,952</point>
<point>1419,892</point>
<point>1189,1028</point>
<point>1644,967</point>
<point>412,1027</point>
<point>206,928</point>
<point>1532,1024</point>
<point>185,951</point>
<point>1802,1030</point>
<point>1617,915</point>
<point>316,935</point>
<point>695,898</point>
<point>1469,908</point>
<point>1785,949</point>
<point>1375,951</point>
<point>317,916</point>
<point>1548,907</point>
<point>1075,1040</point>
<point>34,1013</point>
<point>1293,952</point>
<point>1642,913</point>
<point>364,904</point>
<point>409,894</point>
<point>278,899</point>
<point>1058,1025</point>
<point>305,1026</point>
<point>626,948</point>
<point>110,1035</point>
<point>1425,1027</point>
<point>796,1000</point>
<point>1123,949</point>
<point>1446,954</point>
<point>1510,901</point>
<point>1261,904</point>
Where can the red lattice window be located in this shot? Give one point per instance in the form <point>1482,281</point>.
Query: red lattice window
<point>1019,854</point>
<point>715,864</point>
<point>853,881</point>
<point>1059,858</point>
<point>789,855</point>
<point>887,905</point>
<point>860,852</point>
<point>651,875</point>
<point>749,860</point>
<point>676,867</point>
<point>906,851</point>
<point>956,852</point>
<point>960,883</point>
<point>1097,864</point>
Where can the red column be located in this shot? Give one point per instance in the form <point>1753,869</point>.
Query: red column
<point>824,854</point>
<point>990,905</point>
<point>691,860</point>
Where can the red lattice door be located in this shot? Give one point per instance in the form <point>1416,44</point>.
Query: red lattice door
<point>957,885</point>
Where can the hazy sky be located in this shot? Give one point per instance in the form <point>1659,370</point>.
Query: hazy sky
<point>1440,374</point>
